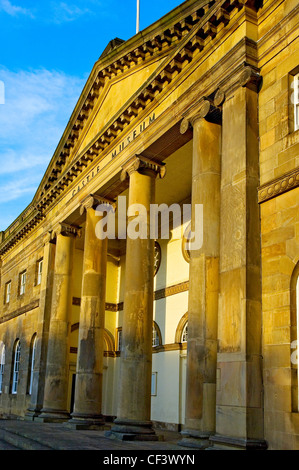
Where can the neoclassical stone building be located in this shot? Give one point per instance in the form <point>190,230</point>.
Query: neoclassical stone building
<point>199,109</point>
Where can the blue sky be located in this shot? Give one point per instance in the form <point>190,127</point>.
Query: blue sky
<point>47,50</point>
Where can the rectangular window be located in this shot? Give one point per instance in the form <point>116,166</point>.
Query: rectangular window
<point>39,272</point>
<point>296,102</point>
<point>7,292</point>
<point>2,364</point>
<point>16,369</point>
<point>119,338</point>
<point>22,283</point>
<point>154,384</point>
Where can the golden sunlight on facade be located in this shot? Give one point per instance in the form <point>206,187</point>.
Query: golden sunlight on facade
<point>200,109</point>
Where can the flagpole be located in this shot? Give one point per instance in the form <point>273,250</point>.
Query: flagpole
<point>138,17</point>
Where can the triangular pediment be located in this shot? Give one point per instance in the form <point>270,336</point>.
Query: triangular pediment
<point>118,75</point>
<point>127,80</point>
<point>117,91</point>
<point>111,46</point>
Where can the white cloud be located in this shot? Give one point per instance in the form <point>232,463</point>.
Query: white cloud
<point>13,10</point>
<point>64,12</point>
<point>38,105</point>
<point>17,188</point>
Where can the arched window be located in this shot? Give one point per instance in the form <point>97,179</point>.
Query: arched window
<point>181,334</point>
<point>16,367</point>
<point>157,338</point>
<point>32,362</point>
<point>2,364</point>
<point>295,354</point>
<point>295,338</point>
<point>184,338</point>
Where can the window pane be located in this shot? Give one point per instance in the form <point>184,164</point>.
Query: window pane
<point>297,308</point>
<point>119,339</point>
<point>32,365</point>
<point>154,384</point>
<point>2,363</point>
<point>23,283</point>
<point>16,368</point>
<point>185,334</point>
<point>39,272</point>
<point>7,293</point>
<point>155,337</point>
<point>296,101</point>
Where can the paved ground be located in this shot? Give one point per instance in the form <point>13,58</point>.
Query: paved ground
<point>27,435</point>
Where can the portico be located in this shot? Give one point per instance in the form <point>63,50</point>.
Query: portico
<point>135,331</point>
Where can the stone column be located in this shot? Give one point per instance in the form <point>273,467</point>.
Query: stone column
<point>204,280</point>
<point>239,400</point>
<point>134,403</point>
<point>89,374</point>
<point>56,386</point>
<point>38,385</point>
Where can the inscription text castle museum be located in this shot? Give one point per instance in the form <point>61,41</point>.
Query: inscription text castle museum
<point>199,108</point>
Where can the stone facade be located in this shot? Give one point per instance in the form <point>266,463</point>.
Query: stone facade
<point>199,109</point>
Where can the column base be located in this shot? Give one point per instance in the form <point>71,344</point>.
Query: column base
<point>219,442</point>
<point>52,416</point>
<point>87,422</point>
<point>128,430</point>
<point>195,439</point>
<point>32,413</point>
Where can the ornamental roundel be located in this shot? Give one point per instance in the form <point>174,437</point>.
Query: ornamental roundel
<point>157,258</point>
<point>185,244</point>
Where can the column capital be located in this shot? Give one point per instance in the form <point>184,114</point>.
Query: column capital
<point>210,107</point>
<point>250,79</point>
<point>47,237</point>
<point>92,201</point>
<point>245,76</point>
<point>139,163</point>
<point>203,109</point>
<point>66,230</point>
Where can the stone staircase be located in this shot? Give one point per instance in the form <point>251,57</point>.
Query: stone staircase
<point>13,440</point>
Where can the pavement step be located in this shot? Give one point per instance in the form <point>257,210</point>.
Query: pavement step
<point>27,435</point>
<point>6,446</point>
<point>21,442</point>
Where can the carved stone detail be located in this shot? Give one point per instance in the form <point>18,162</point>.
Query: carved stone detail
<point>20,311</point>
<point>250,79</point>
<point>219,98</point>
<point>158,295</point>
<point>66,230</point>
<point>93,201</point>
<point>279,186</point>
<point>139,163</point>
<point>185,125</point>
<point>207,111</point>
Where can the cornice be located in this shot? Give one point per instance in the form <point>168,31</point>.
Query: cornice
<point>28,220</point>
<point>158,295</point>
<point>278,186</point>
<point>20,311</point>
